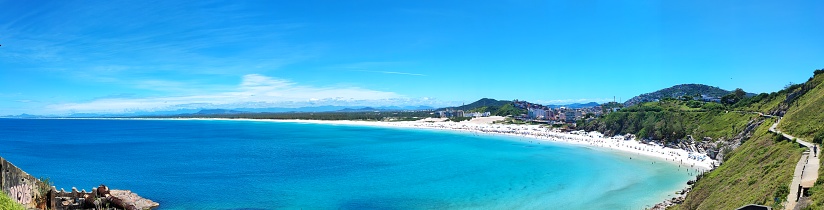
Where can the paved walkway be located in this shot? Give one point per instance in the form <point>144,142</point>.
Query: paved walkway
<point>806,170</point>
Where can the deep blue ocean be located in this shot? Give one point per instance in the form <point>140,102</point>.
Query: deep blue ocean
<point>205,164</point>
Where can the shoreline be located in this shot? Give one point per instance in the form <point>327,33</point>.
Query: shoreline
<point>695,160</point>
<point>694,163</point>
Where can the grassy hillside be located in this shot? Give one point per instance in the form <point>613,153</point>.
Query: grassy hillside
<point>757,172</point>
<point>7,204</point>
<point>671,120</point>
<point>764,103</point>
<point>805,116</point>
<point>761,169</point>
<point>805,119</point>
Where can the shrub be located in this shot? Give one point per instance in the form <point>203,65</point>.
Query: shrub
<point>7,203</point>
<point>818,139</point>
<point>778,137</point>
<point>782,192</point>
<point>694,104</point>
<point>713,106</point>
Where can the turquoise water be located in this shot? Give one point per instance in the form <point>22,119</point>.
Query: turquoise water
<point>267,165</point>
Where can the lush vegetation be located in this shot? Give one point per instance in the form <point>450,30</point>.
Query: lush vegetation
<point>678,91</point>
<point>805,116</point>
<point>484,102</point>
<point>508,110</point>
<point>758,172</point>
<point>761,169</point>
<point>7,203</point>
<point>671,120</point>
<point>494,107</point>
<point>763,103</point>
<point>805,119</point>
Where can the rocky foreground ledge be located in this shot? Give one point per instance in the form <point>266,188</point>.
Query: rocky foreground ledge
<point>99,197</point>
<point>33,193</point>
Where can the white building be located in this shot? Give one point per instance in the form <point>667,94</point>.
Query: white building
<point>536,113</point>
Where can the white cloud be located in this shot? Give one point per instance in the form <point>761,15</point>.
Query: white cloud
<point>254,91</point>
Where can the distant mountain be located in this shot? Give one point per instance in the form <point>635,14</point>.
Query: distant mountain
<point>678,91</point>
<point>194,112</point>
<point>24,115</point>
<point>218,111</point>
<point>484,102</point>
<point>364,109</point>
<point>575,105</point>
<point>299,109</point>
<point>386,108</point>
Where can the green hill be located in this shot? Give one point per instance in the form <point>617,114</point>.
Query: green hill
<point>484,102</point>
<point>677,91</point>
<point>495,107</point>
<point>756,172</point>
<point>804,118</point>
<point>761,169</point>
<point>805,114</point>
<point>673,120</point>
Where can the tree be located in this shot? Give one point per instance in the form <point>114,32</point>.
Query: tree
<point>643,133</point>
<point>729,99</point>
<point>734,97</point>
<point>818,139</point>
<point>739,93</point>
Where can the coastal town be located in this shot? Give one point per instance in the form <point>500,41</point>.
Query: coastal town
<point>540,114</point>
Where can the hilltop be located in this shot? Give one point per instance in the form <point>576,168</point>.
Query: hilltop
<point>575,105</point>
<point>484,102</point>
<point>677,91</point>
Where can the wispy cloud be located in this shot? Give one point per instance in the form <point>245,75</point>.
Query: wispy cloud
<point>254,91</point>
<point>392,72</point>
<point>374,67</point>
<point>116,40</point>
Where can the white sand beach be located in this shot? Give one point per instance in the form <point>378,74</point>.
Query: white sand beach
<point>485,125</point>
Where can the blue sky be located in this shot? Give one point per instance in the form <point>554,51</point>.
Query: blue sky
<point>63,57</point>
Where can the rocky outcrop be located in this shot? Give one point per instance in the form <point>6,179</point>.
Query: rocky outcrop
<point>100,197</point>
<point>678,199</point>
<point>131,201</point>
<point>717,149</point>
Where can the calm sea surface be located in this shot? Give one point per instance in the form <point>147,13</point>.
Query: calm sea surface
<point>200,164</point>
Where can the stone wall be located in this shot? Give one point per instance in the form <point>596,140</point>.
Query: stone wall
<point>25,189</point>
<point>19,185</point>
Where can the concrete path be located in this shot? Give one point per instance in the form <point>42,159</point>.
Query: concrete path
<point>806,170</point>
